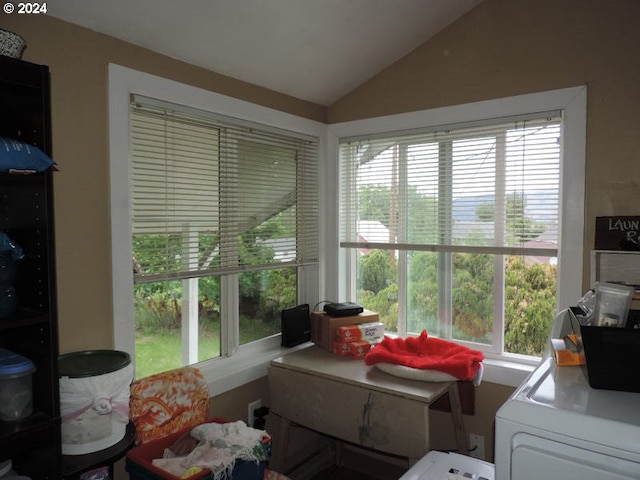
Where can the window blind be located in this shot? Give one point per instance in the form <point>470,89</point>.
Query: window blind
<point>213,194</point>
<point>491,187</point>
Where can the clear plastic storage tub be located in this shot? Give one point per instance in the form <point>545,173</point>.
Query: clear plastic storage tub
<point>16,393</point>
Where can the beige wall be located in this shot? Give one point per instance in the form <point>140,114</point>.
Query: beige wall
<point>502,48</point>
<point>78,60</point>
<point>507,47</point>
<point>513,47</point>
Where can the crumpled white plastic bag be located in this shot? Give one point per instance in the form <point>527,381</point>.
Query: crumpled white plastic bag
<point>106,394</point>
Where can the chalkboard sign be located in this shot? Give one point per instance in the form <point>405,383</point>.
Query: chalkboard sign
<point>618,233</point>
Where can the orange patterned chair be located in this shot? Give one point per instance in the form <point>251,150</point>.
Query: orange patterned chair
<point>167,402</point>
<point>164,403</point>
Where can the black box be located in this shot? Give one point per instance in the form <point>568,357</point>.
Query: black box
<point>295,325</point>
<point>612,357</point>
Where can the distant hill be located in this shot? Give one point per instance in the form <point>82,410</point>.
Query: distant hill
<point>464,208</point>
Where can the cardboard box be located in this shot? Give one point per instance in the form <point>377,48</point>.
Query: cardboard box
<point>339,349</point>
<point>351,349</point>
<point>324,326</point>
<point>359,349</point>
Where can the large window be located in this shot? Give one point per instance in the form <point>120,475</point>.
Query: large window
<point>219,205</point>
<point>456,228</point>
<point>221,225</point>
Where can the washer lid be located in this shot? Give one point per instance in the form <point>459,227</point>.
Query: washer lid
<point>91,363</point>
<point>559,401</point>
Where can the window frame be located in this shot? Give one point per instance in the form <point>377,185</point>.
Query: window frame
<point>572,103</point>
<point>247,362</point>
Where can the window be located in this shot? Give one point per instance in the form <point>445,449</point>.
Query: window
<point>220,226</point>
<point>218,205</point>
<point>456,228</point>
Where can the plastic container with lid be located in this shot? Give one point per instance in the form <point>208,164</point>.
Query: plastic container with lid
<point>94,399</point>
<point>16,394</point>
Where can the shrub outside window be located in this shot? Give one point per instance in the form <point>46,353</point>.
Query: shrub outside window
<point>454,229</point>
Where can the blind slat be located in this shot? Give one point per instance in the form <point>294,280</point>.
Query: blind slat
<point>212,195</point>
<point>492,185</point>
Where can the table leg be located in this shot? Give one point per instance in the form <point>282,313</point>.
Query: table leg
<point>458,420</point>
<point>282,443</point>
<point>338,453</point>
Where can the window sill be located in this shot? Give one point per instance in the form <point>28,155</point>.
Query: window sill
<point>506,372</point>
<point>252,363</point>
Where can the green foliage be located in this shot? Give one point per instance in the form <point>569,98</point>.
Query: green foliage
<point>376,273</point>
<point>423,292</point>
<point>374,203</point>
<point>158,306</point>
<point>280,292</point>
<point>384,303</point>
<point>519,228</point>
<point>473,296</point>
<point>531,306</point>
<point>530,302</point>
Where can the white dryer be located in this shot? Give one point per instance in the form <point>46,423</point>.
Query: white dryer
<point>555,426</point>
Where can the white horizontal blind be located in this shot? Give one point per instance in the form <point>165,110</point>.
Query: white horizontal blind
<point>490,188</point>
<point>212,194</point>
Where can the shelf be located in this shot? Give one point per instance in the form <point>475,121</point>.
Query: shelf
<point>35,432</point>
<point>26,216</point>
<point>34,423</point>
<point>24,318</point>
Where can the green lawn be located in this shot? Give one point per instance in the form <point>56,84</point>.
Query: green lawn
<point>161,351</point>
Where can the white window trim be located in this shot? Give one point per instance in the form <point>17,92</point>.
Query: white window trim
<point>573,102</point>
<point>251,361</point>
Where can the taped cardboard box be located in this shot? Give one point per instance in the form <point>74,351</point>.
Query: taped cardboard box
<point>324,327</point>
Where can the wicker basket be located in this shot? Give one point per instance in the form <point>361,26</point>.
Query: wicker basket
<point>11,44</point>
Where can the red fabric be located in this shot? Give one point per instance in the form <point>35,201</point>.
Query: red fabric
<point>427,353</point>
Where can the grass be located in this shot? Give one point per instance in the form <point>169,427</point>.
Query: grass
<point>163,351</point>
<point>159,351</point>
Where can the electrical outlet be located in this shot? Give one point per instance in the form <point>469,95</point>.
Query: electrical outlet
<point>250,409</point>
<point>476,446</point>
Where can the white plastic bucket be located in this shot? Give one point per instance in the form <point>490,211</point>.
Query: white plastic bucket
<point>94,399</point>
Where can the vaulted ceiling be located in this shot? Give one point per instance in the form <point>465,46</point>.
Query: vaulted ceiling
<point>315,50</point>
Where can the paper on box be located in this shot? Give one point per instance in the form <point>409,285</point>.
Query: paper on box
<point>364,331</point>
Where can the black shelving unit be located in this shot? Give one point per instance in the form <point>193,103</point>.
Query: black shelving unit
<point>26,216</point>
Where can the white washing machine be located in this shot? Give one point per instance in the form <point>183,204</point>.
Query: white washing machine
<point>555,426</point>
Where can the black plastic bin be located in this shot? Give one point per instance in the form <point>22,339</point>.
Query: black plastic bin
<point>612,357</point>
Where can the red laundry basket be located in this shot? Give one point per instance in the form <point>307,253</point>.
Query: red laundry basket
<point>138,461</point>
